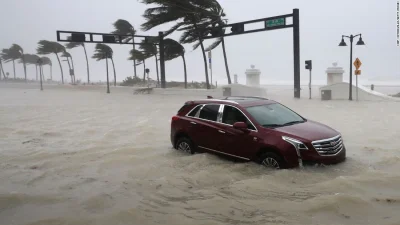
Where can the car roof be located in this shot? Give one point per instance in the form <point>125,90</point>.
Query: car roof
<point>243,101</point>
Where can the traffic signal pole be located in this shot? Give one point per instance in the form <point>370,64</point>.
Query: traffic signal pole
<point>296,52</point>
<point>270,23</point>
<point>309,67</point>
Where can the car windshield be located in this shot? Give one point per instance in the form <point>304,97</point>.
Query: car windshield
<point>274,115</point>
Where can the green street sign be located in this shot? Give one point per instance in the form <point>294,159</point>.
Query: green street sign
<point>275,22</point>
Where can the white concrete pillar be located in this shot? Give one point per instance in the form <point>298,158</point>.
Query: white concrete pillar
<point>235,79</point>
<point>334,74</point>
<point>253,77</point>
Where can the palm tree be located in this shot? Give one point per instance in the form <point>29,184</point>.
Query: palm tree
<point>190,15</point>
<point>10,54</point>
<point>150,49</point>
<point>30,59</point>
<point>20,51</point>
<point>72,45</point>
<point>123,27</point>
<point>174,49</point>
<point>71,68</point>
<point>48,47</point>
<point>141,57</point>
<point>103,51</point>
<point>47,61</point>
<point>220,22</point>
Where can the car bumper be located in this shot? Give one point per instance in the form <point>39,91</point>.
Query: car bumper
<point>332,159</point>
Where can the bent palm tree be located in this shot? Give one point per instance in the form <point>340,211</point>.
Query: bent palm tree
<point>47,61</point>
<point>103,51</point>
<point>30,59</point>
<point>140,57</point>
<point>72,45</point>
<point>192,15</point>
<point>48,47</point>
<point>174,49</point>
<point>71,68</point>
<point>20,51</point>
<point>150,49</point>
<point>125,28</point>
<point>10,54</point>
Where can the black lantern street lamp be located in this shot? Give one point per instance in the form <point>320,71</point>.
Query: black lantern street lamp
<point>343,44</point>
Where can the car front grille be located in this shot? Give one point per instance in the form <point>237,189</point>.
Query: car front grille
<point>329,146</point>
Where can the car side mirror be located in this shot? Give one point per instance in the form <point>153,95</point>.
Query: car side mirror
<point>240,126</point>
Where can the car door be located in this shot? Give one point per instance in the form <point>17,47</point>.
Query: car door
<point>233,141</point>
<point>205,127</point>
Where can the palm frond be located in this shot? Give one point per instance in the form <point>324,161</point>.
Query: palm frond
<point>214,45</point>
<point>71,45</point>
<point>102,51</point>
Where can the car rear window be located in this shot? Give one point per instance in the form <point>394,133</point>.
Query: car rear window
<point>209,112</point>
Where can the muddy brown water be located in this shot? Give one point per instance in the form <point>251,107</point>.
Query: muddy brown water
<point>84,157</point>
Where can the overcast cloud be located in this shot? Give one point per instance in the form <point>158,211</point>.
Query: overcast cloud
<point>322,22</point>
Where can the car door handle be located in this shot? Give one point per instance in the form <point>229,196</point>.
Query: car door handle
<point>193,123</point>
<point>221,131</point>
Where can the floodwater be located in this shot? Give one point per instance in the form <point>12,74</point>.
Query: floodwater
<point>70,156</point>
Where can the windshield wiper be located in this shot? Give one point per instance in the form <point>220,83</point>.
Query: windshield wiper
<point>272,125</point>
<point>293,122</point>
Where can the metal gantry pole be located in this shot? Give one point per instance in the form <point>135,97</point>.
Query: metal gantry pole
<point>162,59</point>
<point>351,69</point>
<point>296,53</point>
<point>310,83</point>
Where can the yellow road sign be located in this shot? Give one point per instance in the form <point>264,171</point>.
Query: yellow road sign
<point>357,63</point>
<point>357,72</point>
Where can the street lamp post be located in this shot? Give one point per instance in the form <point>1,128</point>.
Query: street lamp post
<point>342,44</point>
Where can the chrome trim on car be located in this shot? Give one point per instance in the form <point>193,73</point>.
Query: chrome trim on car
<point>214,100</point>
<point>326,146</point>
<point>223,153</point>
<point>219,118</point>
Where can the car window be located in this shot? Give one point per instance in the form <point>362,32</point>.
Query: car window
<point>232,115</point>
<point>273,115</point>
<point>194,111</point>
<point>209,112</point>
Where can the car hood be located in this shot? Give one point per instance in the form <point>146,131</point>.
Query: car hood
<point>309,130</point>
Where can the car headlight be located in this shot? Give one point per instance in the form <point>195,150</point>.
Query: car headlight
<point>300,146</point>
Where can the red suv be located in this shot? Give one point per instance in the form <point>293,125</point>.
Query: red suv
<point>255,129</point>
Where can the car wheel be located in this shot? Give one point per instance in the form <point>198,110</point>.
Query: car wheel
<point>272,160</point>
<point>185,145</point>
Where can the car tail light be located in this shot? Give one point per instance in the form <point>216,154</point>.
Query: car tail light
<point>175,118</point>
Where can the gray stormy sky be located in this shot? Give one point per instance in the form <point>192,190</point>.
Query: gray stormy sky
<point>322,22</point>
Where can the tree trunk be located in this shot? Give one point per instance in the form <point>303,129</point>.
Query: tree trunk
<point>23,61</point>
<point>226,62</point>
<point>62,73</point>
<point>184,67</point>
<point>115,75</point>
<point>87,63</point>
<point>134,60</point>
<point>36,73</point>
<point>51,72</point>
<point>69,66</point>
<point>2,70</point>
<point>14,69</point>
<point>73,68</point>
<point>205,63</point>
<point>158,78</point>
<point>204,55</point>
<point>144,70</point>
<point>41,70</point>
